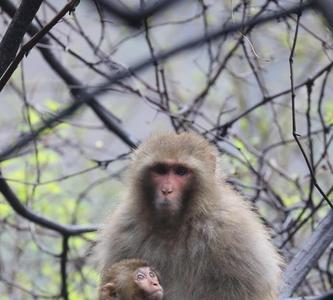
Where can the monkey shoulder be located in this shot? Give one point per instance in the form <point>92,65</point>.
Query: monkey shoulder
<point>239,241</point>
<point>227,252</point>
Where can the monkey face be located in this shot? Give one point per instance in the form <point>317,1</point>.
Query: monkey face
<point>170,182</point>
<point>147,280</point>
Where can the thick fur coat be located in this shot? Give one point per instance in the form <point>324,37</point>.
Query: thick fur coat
<point>218,250</point>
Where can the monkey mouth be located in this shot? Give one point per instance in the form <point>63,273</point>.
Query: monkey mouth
<point>167,203</point>
<point>168,208</point>
<point>157,292</point>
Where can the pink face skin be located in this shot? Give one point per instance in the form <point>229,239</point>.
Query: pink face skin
<point>148,281</point>
<point>171,180</point>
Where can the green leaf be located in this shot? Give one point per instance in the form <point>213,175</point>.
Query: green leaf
<point>52,105</point>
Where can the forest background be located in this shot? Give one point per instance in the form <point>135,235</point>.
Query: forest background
<point>84,82</point>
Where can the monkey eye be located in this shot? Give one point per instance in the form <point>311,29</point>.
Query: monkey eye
<point>181,170</point>
<point>160,169</point>
<point>140,276</point>
<point>152,274</point>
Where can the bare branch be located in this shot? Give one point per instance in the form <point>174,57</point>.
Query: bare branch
<point>34,40</point>
<point>134,18</point>
<point>307,256</point>
<point>326,8</point>
<point>88,98</point>
<point>16,30</point>
<point>14,202</point>
<point>73,83</point>
<point>326,296</point>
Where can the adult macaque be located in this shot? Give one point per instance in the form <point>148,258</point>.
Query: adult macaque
<point>180,216</point>
<point>130,279</point>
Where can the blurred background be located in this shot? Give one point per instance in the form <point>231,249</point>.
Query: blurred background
<point>261,93</point>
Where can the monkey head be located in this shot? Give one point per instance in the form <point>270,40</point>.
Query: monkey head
<point>147,280</point>
<point>130,279</point>
<point>170,166</point>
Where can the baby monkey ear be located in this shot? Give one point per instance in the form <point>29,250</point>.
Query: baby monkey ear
<point>108,292</point>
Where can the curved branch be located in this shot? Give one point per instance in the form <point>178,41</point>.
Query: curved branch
<point>134,18</point>
<point>19,208</point>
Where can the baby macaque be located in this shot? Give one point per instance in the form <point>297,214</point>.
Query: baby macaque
<point>130,279</point>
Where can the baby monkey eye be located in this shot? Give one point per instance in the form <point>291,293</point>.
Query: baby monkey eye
<point>140,277</point>
<point>160,169</point>
<point>152,274</point>
<point>181,171</point>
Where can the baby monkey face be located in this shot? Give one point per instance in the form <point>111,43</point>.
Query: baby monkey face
<point>147,280</point>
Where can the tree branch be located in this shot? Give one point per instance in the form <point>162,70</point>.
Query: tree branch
<point>14,202</point>
<point>15,32</point>
<point>134,18</point>
<point>33,41</point>
<point>73,83</point>
<point>88,98</point>
<point>307,256</point>
<point>326,296</point>
<point>326,8</point>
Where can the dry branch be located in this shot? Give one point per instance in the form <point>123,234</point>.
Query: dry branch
<point>308,256</point>
<point>88,98</point>
<point>20,209</point>
<point>16,30</point>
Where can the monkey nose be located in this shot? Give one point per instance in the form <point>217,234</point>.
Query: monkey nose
<point>166,191</point>
<point>154,282</point>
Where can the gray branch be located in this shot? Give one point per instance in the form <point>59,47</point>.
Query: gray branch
<point>327,296</point>
<point>73,83</point>
<point>326,8</point>
<point>307,256</point>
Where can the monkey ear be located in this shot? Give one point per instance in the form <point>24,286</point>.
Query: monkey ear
<point>108,292</point>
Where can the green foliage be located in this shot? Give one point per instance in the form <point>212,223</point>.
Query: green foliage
<point>243,150</point>
<point>328,111</point>
<point>5,210</point>
<point>290,200</point>
<point>52,105</point>
<point>52,200</point>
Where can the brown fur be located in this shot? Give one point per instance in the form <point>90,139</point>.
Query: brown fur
<point>219,250</point>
